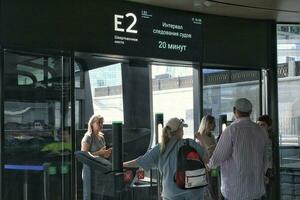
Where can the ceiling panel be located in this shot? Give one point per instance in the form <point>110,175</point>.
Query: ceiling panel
<point>279,10</point>
<point>289,5</point>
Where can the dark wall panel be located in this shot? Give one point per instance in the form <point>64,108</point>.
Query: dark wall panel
<point>87,26</point>
<point>233,41</point>
<point>136,95</point>
<point>91,26</point>
<point>36,24</point>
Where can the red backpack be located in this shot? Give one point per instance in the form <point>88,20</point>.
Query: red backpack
<point>191,172</point>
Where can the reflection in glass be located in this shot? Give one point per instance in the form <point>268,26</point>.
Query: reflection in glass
<point>37,146</point>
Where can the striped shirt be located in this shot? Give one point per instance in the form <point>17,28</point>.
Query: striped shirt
<point>241,153</point>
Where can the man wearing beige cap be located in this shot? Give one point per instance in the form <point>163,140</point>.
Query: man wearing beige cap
<point>241,154</point>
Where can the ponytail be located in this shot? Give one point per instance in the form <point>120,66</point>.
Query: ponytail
<point>165,138</point>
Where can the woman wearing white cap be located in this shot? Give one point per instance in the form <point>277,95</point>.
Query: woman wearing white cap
<point>164,157</point>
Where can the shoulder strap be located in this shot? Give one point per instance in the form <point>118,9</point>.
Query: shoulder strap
<point>187,142</point>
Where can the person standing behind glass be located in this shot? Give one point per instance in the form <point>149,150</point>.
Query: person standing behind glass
<point>206,127</point>
<point>208,141</point>
<point>93,142</point>
<point>265,122</point>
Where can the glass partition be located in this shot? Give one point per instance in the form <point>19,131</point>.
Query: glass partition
<point>37,137</point>
<point>106,88</point>
<point>172,90</point>
<point>288,51</point>
<point>222,87</point>
<point>99,91</point>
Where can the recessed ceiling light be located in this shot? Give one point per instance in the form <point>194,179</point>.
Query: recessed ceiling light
<point>198,3</point>
<point>208,3</point>
<point>202,3</point>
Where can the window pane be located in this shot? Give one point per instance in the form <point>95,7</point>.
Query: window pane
<point>37,73</point>
<point>106,88</point>
<point>288,43</point>
<point>288,48</point>
<point>223,87</point>
<point>78,76</point>
<point>173,94</point>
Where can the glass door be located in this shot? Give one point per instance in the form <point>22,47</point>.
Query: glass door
<point>37,138</point>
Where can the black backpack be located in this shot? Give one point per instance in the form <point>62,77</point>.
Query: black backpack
<point>191,172</point>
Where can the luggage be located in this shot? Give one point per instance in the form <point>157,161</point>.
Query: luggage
<point>191,172</point>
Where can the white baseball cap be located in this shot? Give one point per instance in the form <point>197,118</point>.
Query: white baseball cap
<point>243,105</point>
<point>174,124</point>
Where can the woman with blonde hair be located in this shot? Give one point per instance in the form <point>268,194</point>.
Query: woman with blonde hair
<point>204,134</point>
<point>164,157</point>
<point>208,141</point>
<point>93,142</point>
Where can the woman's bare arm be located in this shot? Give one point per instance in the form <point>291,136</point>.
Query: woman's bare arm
<point>101,152</point>
<point>200,138</point>
<point>85,146</point>
<point>131,163</point>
